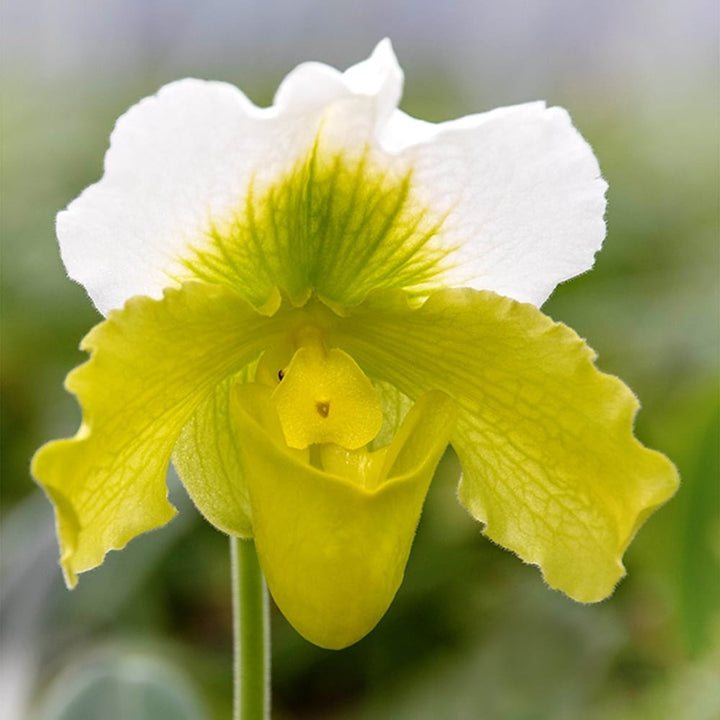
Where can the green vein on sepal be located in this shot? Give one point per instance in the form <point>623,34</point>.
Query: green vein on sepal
<point>336,224</point>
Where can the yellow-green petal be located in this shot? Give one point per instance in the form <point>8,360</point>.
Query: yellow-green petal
<point>550,463</point>
<point>332,548</point>
<point>152,363</point>
<point>207,459</point>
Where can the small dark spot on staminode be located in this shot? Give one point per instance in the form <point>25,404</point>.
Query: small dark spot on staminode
<point>323,408</point>
<point>281,374</point>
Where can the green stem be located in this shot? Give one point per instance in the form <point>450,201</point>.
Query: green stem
<point>251,634</point>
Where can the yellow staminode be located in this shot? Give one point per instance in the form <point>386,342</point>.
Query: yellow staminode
<point>324,397</point>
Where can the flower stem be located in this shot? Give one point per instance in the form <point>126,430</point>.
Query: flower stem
<point>251,634</point>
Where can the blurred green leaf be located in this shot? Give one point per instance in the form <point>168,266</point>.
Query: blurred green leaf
<point>122,686</point>
<point>699,566</point>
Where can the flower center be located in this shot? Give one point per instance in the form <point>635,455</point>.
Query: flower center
<point>324,397</point>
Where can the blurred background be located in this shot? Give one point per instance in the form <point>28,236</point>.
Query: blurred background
<point>473,633</point>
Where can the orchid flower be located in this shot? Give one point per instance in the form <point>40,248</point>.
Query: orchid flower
<point>306,303</point>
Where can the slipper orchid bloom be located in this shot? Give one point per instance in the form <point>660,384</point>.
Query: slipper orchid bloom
<point>306,303</point>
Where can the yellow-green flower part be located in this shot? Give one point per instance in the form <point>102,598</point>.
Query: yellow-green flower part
<point>305,304</point>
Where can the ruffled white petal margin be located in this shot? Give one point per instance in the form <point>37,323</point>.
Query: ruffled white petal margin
<point>521,188</point>
<point>525,190</point>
